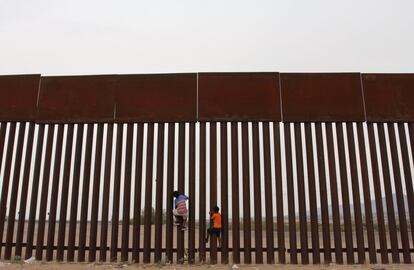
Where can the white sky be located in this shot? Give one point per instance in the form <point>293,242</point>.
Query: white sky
<point>92,37</point>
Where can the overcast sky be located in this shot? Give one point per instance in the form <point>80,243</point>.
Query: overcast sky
<point>92,37</point>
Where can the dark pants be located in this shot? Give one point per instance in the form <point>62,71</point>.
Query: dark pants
<point>216,231</point>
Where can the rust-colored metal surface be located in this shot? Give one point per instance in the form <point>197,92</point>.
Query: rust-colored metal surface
<point>346,208</point>
<point>14,191</point>
<point>247,242</point>
<point>367,195</point>
<point>159,194</point>
<point>279,194</point>
<point>116,193</point>
<point>156,98</point>
<point>34,191</point>
<point>257,195</point>
<point>75,195</point>
<point>18,97</point>
<point>25,188</point>
<point>127,193</point>
<point>105,195</point>
<point>85,192</point>
<point>356,194</point>
<point>333,183</point>
<point>148,194</point>
<point>392,227</point>
<point>300,180</point>
<point>44,193</point>
<point>65,193</point>
<point>400,195</point>
<point>137,200</point>
<point>95,193</point>
<point>312,195</point>
<point>224,194</point>
<point>290,195</point>
<point>6,178</point>
<point>170,190</point>
<point>321,97</point>
<point>76,99</point>
<point>407,175</point>
<point>389,97</point>
<point>192,194</point>
<point>213,187</point>
<point>235,184</point>
<point>202,188</point>
<point>54,193</point>
<point>238,97</point>
<point>323,191</point>
<point>378,194</point>
<point>268,195</point>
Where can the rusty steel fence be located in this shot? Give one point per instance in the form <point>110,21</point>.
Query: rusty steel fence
<point>306,168</point>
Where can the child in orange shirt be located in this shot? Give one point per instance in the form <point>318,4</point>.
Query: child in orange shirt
<point>216,229</point>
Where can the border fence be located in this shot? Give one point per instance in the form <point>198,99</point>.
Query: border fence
<point>306,167</point>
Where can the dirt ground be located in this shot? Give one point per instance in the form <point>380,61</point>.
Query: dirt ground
<point>105,266</point>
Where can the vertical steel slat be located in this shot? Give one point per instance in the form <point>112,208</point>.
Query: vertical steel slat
<point>279,195</point>
<point>367,194</point>
<point>345,195</point>
<point>25,186</point>
<point>257,195</point>
<point>44,193</point>
<point>302,196</point>
<point>54,192</point>
<point>356,194</point>
<point>407,175</point>
<point>148,194</point>
<point>138,186</point>
<point>159,193</point>
<point>3,128</point>
<point>105,195</point>
<point>202,230</point>
<point>334,195</point>
<point>224,194</point>
<point>14,190</point>
<point>75,194</point>
<point>6,178</point>
<point>392,227</point>
<point>411,132</point>
<point>64,194</point>
<point>378,194</point>
<point>290,194</point>
<point>213,185</point>
<point>400,195</point>
<point>34,191</point>
<point>170,188</point>
<point>268,195</point>
<point>312,194</point>
<point>116,194</point>
<point>127,192</point>
<point>181,187</point>
<point>235,180</point>
<point>85,193</point>
<point>323,191</point>
<point>95,193</point>
<point>247,244</point>
<point>192,195</point>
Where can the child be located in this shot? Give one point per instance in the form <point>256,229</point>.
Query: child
<point>216,229</point>
<point>180,209</point>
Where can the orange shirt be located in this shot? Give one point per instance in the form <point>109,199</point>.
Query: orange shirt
<point>216,217</point>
